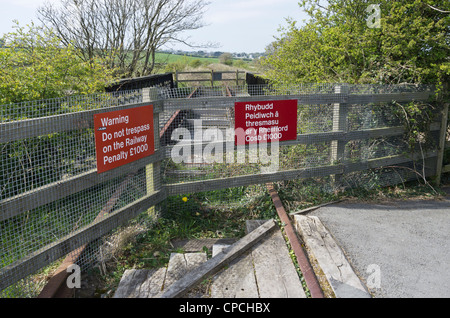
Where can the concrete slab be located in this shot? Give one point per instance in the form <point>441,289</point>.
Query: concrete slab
<point>332,261</point>
<point>237,280</point>
<point>275,272</point>
<point>265,271</point>
<point>150,283</point>
<point>399,249</point>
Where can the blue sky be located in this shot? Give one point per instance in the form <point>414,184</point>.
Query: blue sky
<point>237,25</point>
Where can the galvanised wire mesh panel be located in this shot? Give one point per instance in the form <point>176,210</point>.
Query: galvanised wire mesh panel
<point>70,104</point>
<point>335,125</point>
<point>38,228</point>
<point>346,134</point>
<point>35,162</point>
<point>47,187</point>
<point>30,163</point>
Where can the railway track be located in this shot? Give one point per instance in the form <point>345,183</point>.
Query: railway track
<point>220,118</point>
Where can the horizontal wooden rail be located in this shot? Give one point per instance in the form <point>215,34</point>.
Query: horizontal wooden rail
<point>305,139</point>
<point>209,72</point>
<point>303,99</point>
<point>222,183</point>
<point>29,128</point>
<point>210,80</point>
<point>211,77</point>
<point>35,198</point>
<point>232,182</point>
<point>322,171</point>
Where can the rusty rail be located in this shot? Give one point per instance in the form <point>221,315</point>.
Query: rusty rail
<point>56,287</point>
<point>176,117</point>
<point>305,267</point>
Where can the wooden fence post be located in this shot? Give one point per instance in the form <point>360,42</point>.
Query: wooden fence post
<point>152,171</point>
<point>340,111</point>
<point>442,143</point>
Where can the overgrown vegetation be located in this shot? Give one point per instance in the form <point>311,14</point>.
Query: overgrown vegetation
<point>34,66</point>
<point>338,45</point>
<point>395,42</point>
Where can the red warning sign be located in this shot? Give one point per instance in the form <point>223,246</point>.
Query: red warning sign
<point>123,136</point>
<point>265,121</point>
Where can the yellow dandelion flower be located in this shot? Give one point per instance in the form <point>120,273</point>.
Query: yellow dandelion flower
<point>185,199</point>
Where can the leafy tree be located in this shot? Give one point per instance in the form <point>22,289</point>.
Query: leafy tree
<point>34,65</point>
<point>125,34</point>
<point>339,43</point>
<point>342,43</point>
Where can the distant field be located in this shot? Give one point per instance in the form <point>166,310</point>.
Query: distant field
<point>166,62</point>
<point>166,58</point>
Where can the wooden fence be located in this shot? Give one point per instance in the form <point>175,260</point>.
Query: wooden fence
<point>232,77</point>
<point>339,136</point>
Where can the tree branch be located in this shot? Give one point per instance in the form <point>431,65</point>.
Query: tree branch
<point>436,9</point>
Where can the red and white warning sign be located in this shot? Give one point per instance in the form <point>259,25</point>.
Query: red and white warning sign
<point>265,121</point>
<point>123,136</point>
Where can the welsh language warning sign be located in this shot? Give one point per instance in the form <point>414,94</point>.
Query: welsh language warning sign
<point>123,136</point>
<point>265,121</point>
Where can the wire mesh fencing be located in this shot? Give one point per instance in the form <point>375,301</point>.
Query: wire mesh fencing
<point>49,187</point>
<point>333,128</point>
<point>53,201</point>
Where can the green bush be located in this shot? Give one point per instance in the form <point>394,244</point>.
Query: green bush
<point>195,63</point>
<point>34,65</point>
